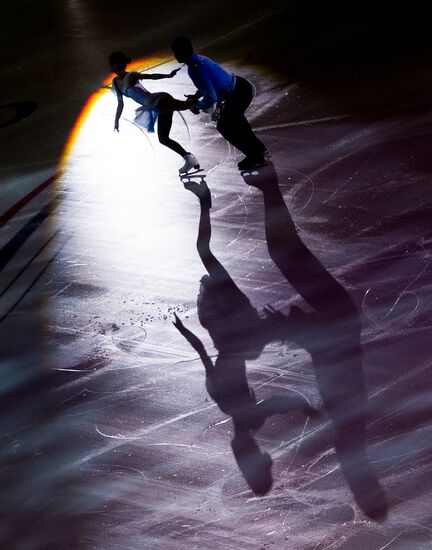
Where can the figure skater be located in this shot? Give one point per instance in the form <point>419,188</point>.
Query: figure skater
<point>154,106</point>
<point>232,93</point>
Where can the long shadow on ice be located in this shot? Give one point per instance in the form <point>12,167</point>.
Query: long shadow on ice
<point>238,334</point>
<point>331,334</point>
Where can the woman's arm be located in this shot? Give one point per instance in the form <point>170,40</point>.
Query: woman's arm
<point>134,77</point>
<point>116,90</point>
<point>118,114</point>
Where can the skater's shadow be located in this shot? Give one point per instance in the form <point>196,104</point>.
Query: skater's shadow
<point>331,334</point>
<point>238,334</point>
<point>15,112</point>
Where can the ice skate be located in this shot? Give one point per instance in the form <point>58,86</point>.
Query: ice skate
<point>249,163</point>
<point>190,162</point>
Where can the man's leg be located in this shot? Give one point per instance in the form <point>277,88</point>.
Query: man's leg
<point>233,124</point>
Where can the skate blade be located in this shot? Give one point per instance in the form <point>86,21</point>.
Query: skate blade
<point>253,169</point>
<point>194,170</point>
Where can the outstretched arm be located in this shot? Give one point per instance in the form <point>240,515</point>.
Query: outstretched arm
<point>134,77</point>
<point>195,342</point>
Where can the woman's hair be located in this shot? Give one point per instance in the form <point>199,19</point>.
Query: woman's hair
<point>120,59</point>
<point>222,302</point>
<point>228,315</point>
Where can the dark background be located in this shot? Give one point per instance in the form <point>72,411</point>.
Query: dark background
<point>364,55</point>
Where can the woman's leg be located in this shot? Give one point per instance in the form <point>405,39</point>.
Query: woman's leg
<point>168,103</point>
<point>163,130</point>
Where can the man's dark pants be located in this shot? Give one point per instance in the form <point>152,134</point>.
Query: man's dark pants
<point>232,123</point>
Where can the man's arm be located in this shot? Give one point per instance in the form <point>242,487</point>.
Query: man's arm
<point>207,91</point>
<point>199,76</point>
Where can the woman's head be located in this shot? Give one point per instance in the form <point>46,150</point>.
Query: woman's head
<point>118,61</point>
<point>231,320</point>
<point>255,465</point>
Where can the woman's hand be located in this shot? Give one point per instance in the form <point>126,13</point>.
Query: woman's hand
<point>194,109</point>
<point>178,323</point>
<point>190,102</point>
<point>174,72</point>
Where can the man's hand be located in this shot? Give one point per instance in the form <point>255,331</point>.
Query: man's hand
<point>217,111</point>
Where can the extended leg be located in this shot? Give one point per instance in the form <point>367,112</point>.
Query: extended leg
<point>168,103</point>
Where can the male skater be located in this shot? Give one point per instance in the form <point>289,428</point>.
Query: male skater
<point>216,85</point>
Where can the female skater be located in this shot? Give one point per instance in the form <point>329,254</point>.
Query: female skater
<point>158,106</point>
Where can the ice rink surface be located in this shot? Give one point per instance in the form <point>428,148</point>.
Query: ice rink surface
<point>110,437</point>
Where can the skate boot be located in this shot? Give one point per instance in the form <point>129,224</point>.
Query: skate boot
<point>249,163</point>
<point>190,162</point>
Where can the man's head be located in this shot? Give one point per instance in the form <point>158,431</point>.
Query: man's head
<point>182,48</point>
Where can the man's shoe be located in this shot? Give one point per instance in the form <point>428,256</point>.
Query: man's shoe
<point>264,150</point>
<point>249,163</point>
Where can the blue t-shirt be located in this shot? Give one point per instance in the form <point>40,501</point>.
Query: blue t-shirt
<point>214,82</point>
